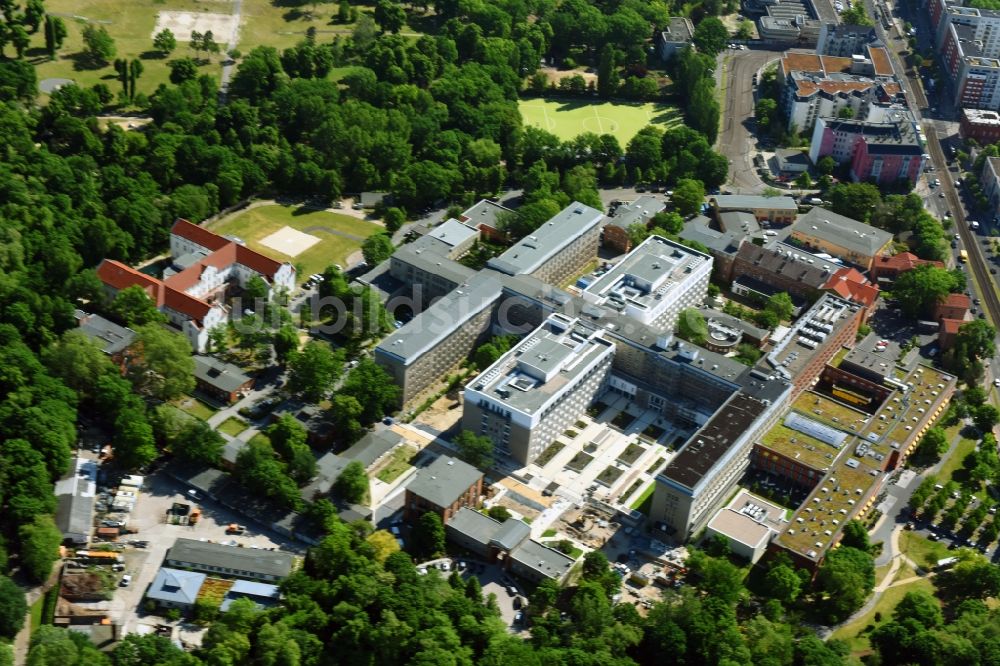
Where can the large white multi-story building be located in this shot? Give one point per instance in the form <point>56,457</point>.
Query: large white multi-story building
<point>654,282</point>
<point>537,389</point>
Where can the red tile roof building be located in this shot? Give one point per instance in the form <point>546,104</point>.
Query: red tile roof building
<point>886,269</point>
<point>852,285</point>
<point>193,297</point>
<point>954,306</point>
<point>947,332</point>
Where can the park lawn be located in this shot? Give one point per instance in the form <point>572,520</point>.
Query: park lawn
<point>260,438</point>
<point>921,550</point>
<point>954,461</point>
<point>233,426</point>
<point>568,118</point>
<point>852,632</point>
<point>256,223</point>
<point>281,26</point>
<point>194,407</point>
<point>132,31</point>
<point>401,460</point>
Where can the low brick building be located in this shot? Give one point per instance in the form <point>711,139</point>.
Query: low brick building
<point>885,270</point>
<point>954,306</point>
<point>443,487</point>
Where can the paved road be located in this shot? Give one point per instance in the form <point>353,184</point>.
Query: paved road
<point>735,140</point>
<point>227,67</point>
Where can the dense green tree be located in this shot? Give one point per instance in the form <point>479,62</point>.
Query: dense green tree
<point>165,42</point>
<point>98,47</point>
<point>285,342</point>
<point>710,36</point>
<point>13,608</point>
<point>188,438</point>
<point>855,200</point>
<point>855,535</point>
<point>373,389</point>
<point>608,79</point>
<point>377,248</point>
<point>352,484</point>
<point>845,579</point>
<point>40,540</point>
<point>133,306</point>
<point>161,365</point>
<point>920,289</point>
<point>477,450</point>
<point>182,69</point>
<point>390,16</point>
<point>688,196</point>
<point>691,326</point>
<point>313,371</point>
<point>428,536</point>
<point>55,34</point>
<point>932,446</point>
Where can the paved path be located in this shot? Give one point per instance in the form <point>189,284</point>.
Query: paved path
<point>227,67</point>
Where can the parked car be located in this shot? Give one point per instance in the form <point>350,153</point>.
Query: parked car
<point>126,580</point>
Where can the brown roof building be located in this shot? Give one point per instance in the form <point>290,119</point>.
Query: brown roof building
<point>885,270</point>
<point>954,306</point>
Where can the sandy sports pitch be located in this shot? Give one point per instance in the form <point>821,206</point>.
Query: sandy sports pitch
<point>182,24</point>
<point>289,241</point>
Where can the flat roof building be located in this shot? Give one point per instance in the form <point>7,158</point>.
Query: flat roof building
<point>654,282</point>
<point>536,253</point>
<point>75,497</point>
<point>776,210</point>
<point>853,241</point>
<point>443,487</point>
<point>250,563</point>
<point>691,486</point>
<point>528,397</point>
<point>749,523</point>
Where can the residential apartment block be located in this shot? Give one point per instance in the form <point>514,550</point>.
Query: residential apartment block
<point>880,152</point>
<point>968,40</point>
<point>989,181</point>
<point>824,86</point>
<point>845,41</point>
<point>204,268</point>
<point>980,125</point>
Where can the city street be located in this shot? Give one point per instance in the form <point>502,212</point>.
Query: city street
<point>736,140</point>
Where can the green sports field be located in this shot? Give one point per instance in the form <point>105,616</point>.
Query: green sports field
<point>569,118</point>
<point>339,235</point>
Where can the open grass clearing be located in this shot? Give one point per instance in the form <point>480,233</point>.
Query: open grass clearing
<point>260,438</point>
<point>922,550</point>
<point>852,632</point>
<point>568,118</point>
<point>233,426</point>
<point>400,460</point>
<point>954,462</point>
<point>340,235</point>
<point>194,407</point>
<point>131,29</point>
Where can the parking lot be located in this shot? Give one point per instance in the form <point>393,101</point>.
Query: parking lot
<point>492,579</point>
<point>155,499</point>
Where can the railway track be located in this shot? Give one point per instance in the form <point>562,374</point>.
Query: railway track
<point>917,100</point>
<point>977,260</point>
